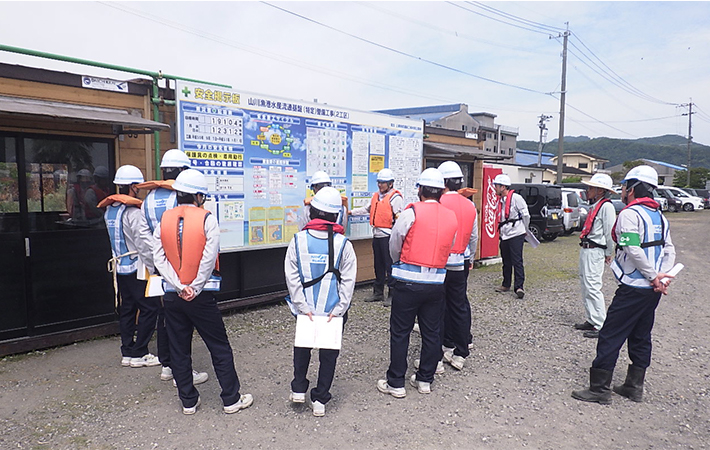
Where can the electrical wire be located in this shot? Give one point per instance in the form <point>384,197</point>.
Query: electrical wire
<point>546,33</point>
<point>403,53</point>
<point>521,20</point>
<point>567,104</point>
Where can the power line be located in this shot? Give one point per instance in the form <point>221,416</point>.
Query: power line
<point>515,18</point>
<point>640,120</point>
<point>402,53</point>
<point>597,120</point>
<point>546,33</point>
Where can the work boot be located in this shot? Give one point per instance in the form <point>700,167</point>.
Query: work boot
<point>377,295</point>
<point>633,386</point>
<point>388,300</point>
<point>599,387</point>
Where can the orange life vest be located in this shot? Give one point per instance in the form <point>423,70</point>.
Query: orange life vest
<point>165,184</point>
<point>428,242</point>
<point>343,199</point>
<point>184,251</point>
<point>381,214</point>
<point>120,198</point>
<point>467,191</point>
<point>465,215</point>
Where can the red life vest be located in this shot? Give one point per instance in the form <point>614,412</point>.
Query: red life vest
<point>503,219</point>
<point>381,214</point>
<point>120,198</point>
<point>590,218</point>
<point>428,242</point>
<point>465,216</point>
<point>184,251</point>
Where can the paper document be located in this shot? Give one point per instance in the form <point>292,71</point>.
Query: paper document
<point>673,272</point>
<point>319,333</point>
<point>154,288</point>
<point>532,240</point>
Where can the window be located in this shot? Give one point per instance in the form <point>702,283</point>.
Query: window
<point>510,151</point>
<point>463,127</point>
<point>495,149</point>
<point>583,165</point>
<point>502,138</point>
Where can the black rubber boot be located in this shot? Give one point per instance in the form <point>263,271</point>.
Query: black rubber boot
<point>388,300</point>
<point>377,295</point>
<point>599,387</point>
<point>633,386</point>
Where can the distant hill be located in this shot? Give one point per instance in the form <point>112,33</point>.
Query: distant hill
<point>669,148</point>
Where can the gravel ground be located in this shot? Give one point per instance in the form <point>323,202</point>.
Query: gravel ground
<point>514,391</point>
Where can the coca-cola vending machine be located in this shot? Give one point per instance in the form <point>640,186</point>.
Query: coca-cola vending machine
<point>489,229</point>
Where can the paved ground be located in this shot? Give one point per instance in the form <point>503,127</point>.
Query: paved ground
<point>513,393</point>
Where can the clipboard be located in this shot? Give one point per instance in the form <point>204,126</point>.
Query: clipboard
<point>318,333</point>
<point>154,287</point>
<point>531,239</point>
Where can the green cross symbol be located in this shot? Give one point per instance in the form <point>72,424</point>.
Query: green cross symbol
<point>186,91</point>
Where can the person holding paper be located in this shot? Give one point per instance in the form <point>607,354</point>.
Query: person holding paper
<point>129,252</point>
<point>456,327</point>
<point>186,253</point>
<point>320,180</point>
<point>513,222</point>
<point>160,198</point>
<point>644,255</point>
<point>421,242</point>
<point>597,248</point>
<point>320,268</point>
<point>384,208</point>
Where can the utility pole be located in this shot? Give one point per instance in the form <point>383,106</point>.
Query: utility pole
<point>690,137</point>
<point>563,93</point>
<point>541,125</point>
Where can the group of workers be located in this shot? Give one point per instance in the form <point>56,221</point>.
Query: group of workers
<point>422,252</point>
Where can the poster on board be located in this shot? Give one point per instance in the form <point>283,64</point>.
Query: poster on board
<point>259,153</point>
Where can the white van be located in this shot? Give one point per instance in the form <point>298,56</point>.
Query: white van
<point>690,202</point>
<point>570,210</point>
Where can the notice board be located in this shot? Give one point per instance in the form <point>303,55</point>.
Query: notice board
<point>259,153</point>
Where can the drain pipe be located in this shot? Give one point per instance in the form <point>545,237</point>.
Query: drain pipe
<point>155,76</point>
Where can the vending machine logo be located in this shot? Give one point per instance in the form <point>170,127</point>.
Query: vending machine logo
<point>491,208</point>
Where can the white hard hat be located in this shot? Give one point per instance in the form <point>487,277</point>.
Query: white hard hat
<point>191,181</point>
<point>175,158</point>
<point>600,180</point>
<point>327,200</point>
<point>431,177</point>
<point>502,179</point>
<point>449,169</point>
<point>385,175</point>
<point>320,177</point>
<point>128,175</point>
<point>647,174</point>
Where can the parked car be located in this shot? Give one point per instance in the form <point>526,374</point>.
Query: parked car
<point>570,211</point>
<point>674,204</point>
<point>690,202</point>
<point>584,206</point>
<point>662,200</point>
<point>702,193</point>
<point>545,206</point>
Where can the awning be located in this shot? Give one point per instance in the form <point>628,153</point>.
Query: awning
<point>122,121</point>
<point>437,149</point>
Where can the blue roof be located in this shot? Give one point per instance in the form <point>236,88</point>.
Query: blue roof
<point>426,113</point>
<point>661,163</point>
<point>529,157</point>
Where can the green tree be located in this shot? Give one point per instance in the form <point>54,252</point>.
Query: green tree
<point>572,180</point>
<point>698,177</point>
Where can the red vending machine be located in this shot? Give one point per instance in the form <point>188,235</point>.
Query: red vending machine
<point>489,209</point>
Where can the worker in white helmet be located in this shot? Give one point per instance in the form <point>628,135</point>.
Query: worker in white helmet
<point>384,208</point>
<point>320,180</point>
<point>597,248</point>
<point>320,268</point>
<point>123,216</point>
<point>160,198</point>
<point>420,244</point>
<point>513,222</point>
<point>644,255</point>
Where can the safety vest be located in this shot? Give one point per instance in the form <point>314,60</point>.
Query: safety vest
<point>100,195</point>
<point>381,214</point>
<point>182,233</point>
<point>427,245</point>
<point>652,237</point>
<point>505,213</point>
<point>465,216</point>
<point>313,263</point>
<point>156,203</point>
<point>113,217</point>
<point>590,222</point>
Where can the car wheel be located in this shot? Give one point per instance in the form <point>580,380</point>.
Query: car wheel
<point>688,207</point>
<point>672,208</point>
<point>535,230</point>
<point>549,237</point>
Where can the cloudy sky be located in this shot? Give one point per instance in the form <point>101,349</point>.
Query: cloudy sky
<point>631,65</point>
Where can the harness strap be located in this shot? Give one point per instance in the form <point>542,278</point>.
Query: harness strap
<point>111,267</point>
<point>331,262</point>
